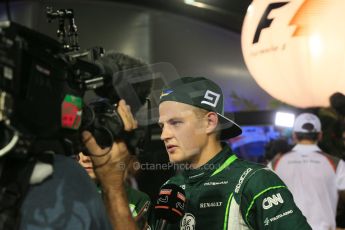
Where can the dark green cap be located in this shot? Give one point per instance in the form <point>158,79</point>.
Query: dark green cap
<point>202,93</point>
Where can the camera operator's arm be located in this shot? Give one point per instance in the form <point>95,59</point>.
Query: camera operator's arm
<point>110,166</point>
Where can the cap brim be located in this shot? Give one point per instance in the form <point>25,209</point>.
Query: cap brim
<point>229,128</point>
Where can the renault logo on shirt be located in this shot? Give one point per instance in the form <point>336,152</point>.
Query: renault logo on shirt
<point>269,201</point>
<point>211,204</point>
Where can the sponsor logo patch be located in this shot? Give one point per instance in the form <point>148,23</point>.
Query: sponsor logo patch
<point>211,204</point>
<point>269,201</point>
<point>240,181</point>
<point>277,217</point>
<point>165,93</point>
<point>188,222</point>
<point>213,183</point>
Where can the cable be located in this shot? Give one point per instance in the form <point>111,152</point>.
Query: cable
<point>10,145</point>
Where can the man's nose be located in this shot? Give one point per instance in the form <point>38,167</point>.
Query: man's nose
<point>84,158</point>
<point>166,133</point>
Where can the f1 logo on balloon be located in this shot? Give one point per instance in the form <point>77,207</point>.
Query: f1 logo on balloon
<point>265,21</point>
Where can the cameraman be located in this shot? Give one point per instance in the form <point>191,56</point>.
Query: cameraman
<point>139,202</point>
<point>110,166</point>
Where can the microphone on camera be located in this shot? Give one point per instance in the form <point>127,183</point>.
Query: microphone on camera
<point>170,205</point>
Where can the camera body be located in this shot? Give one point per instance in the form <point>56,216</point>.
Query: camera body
<point>42,87</point>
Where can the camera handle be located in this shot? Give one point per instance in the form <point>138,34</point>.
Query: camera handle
<point>69,42</point>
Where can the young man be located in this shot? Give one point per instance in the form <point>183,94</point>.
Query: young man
<point>222,191</point>
<point>315,178</point>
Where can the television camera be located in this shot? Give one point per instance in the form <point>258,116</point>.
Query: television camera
<point>42,111</point>
<point>42,85</point>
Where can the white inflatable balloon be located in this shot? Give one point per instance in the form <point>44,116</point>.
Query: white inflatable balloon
<point>295,49</point>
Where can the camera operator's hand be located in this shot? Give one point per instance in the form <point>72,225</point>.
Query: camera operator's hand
<point>110,166</point>
<point>127,117</point>
<point>110,163</point>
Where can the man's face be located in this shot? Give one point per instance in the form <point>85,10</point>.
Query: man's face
<point>86,163</point>
<point>183,131</point>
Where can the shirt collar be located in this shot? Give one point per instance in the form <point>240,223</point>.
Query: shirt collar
<point>306,148</point>
<point>205,171</point>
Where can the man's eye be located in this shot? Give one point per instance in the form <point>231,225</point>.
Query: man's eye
<point>176,122</point>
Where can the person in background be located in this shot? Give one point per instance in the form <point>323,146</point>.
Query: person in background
<point>275,148</point>
<point>340,219</point>
<point>332,120</point>
<point>315,178</point>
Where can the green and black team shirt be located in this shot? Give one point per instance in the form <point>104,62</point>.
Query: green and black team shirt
<point>229,193</point>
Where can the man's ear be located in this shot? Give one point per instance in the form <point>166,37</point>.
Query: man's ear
<point>212,122</point>
<point>319,136</point>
